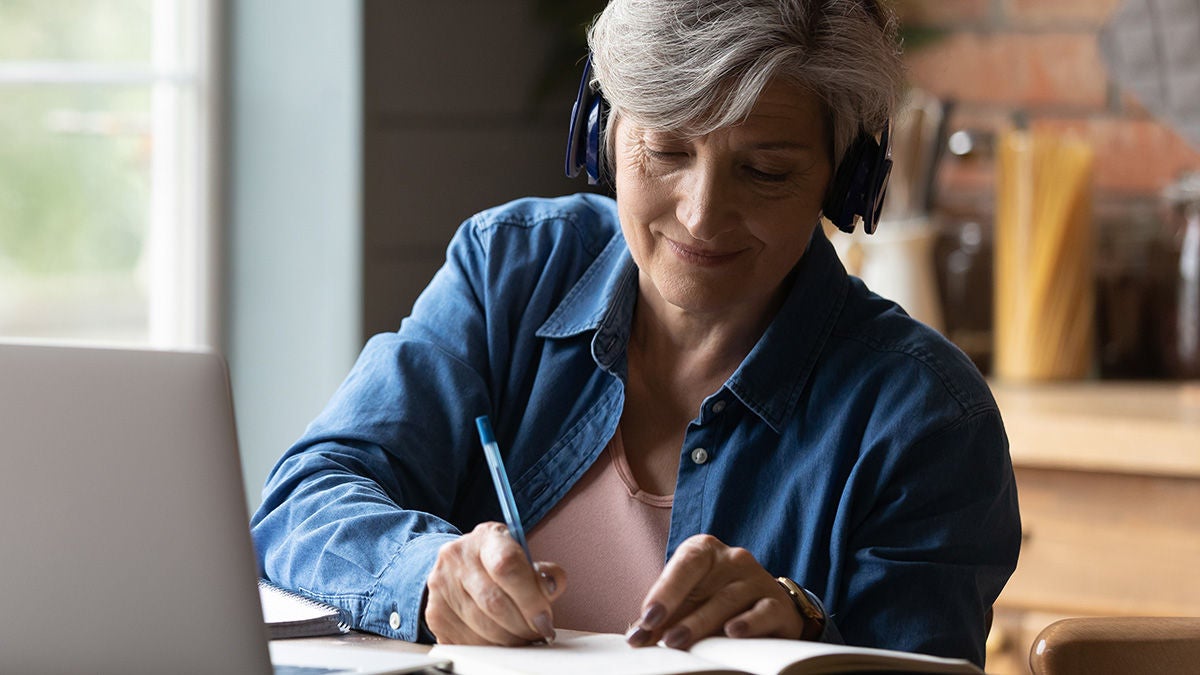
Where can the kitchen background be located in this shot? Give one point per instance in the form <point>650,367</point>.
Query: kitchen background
<point>987,66</point>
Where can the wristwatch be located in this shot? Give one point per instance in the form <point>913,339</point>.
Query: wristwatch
<point>810,611</point>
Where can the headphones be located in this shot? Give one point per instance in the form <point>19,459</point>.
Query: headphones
<point>857,190</point>
<point>585,138</point>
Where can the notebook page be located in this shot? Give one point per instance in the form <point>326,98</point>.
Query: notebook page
<point>769,656</point>
<point>577,654</point>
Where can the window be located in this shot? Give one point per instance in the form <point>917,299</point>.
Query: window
<point>107,181</point>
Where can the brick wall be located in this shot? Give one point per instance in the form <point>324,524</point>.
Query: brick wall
<point>1039,58</point>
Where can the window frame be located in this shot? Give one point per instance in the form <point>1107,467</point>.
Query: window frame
<point>184,288</point>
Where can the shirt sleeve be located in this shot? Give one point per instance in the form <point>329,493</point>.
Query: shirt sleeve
<point>934,550</point>
<point>355,512</point>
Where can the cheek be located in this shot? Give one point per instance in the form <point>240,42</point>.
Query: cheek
<point>635,226</point>
<point>785,239</point>
<point>641,200</point>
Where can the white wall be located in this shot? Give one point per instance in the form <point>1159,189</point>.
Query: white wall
<point>293,305</point>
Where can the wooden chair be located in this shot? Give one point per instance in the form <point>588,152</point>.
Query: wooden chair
<point>1125,645</point>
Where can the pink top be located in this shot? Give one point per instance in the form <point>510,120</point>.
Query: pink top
<point>611,538</point>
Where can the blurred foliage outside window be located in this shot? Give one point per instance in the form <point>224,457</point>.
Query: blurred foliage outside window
<point>81,83</point>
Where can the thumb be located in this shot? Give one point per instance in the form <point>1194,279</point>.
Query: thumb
<point>552,578</point>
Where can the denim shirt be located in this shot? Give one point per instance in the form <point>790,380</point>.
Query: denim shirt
<point>854,450</point>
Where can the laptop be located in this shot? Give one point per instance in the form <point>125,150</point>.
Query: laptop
<point>124,538</point>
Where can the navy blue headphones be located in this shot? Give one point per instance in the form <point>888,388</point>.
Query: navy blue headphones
<point>857,190</point>
<point>585,138</point>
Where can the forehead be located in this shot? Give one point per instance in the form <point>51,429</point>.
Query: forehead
<point>788,103</point>
<point>785,111</point>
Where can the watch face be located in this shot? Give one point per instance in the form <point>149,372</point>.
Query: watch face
<point>804,604</point>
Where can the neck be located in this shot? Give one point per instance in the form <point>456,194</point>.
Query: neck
<point>701,349</point>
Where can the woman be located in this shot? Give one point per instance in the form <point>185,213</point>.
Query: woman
<point>709,426</point>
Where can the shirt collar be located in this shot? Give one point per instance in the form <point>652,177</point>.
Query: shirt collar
<point>602,300</point>
<point>771,380</point>
<point>773,376</point>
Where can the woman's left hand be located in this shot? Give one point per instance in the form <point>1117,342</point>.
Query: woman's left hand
<point>708,588</point>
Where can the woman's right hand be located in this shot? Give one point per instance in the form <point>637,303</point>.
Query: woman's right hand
<point>482,591</point>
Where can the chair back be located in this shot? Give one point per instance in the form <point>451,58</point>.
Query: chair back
<point>1111,645</point>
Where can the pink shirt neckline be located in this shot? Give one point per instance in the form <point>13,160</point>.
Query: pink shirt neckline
<point>611,538</point>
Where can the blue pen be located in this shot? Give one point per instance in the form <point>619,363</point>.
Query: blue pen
<point>503,488</point>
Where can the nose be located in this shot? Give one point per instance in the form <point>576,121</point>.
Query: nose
<point>704,202</point>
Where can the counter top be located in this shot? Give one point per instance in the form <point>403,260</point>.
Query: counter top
<point>1150,428</point>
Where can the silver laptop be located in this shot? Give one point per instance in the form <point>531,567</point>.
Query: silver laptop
<point>124,544</point>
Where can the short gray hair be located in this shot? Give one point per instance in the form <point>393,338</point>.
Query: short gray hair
<point>694,66</point>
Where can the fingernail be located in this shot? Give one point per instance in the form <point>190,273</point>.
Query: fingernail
<point>548,583</point>
<point>638,637</point>
<point>544,626</point>
<point>678,637</point>
<point>653,616</point>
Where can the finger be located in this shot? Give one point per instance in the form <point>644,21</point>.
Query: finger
<point>491,612</point>
<point>448,628</point>
<point>552,578</point>
<point>769,617</point>
<point>710,616</point>
<point>452,610</point>
<point>475,615</point>
<point>523,600</point>
<point>692,562</point>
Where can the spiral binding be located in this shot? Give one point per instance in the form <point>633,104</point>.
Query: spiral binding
<point>343,626</point>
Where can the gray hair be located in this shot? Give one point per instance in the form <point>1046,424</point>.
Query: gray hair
<point>694,66</point>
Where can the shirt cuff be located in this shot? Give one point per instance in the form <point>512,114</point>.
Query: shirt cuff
<point>394,608</point>
<point>830,633</point>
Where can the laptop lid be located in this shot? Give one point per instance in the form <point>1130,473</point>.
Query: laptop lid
<point>124,544</point>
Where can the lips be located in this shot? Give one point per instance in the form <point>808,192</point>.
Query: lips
<point>699,256</point>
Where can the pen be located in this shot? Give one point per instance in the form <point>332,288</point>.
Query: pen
<point>503,488</point>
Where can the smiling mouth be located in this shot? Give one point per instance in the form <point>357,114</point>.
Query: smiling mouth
<point>699,257</point>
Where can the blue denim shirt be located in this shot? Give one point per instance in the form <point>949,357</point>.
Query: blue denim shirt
<point>854,450</point>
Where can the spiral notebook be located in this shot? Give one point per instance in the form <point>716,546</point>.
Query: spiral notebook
<point>291,615</point>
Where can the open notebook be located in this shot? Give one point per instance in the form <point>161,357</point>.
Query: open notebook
<point>606,654</point>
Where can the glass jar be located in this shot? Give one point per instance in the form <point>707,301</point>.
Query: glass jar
<point>963,259</point>
<point>1129,290</point>
<point>1179,337</point>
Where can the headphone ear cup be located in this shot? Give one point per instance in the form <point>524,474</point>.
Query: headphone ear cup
<point>839,202</point>
<point>597,118</point>
<point>585,137</point>
<point>861,183</point>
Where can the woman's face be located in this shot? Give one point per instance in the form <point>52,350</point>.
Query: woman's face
<point>715,223</point>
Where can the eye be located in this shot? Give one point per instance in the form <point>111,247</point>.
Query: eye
<point>664,154</point>
<point>766,176</point>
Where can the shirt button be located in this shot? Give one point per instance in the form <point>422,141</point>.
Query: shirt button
<point>394,620</point>
<point>718,407</point>
<point>699,455</point>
